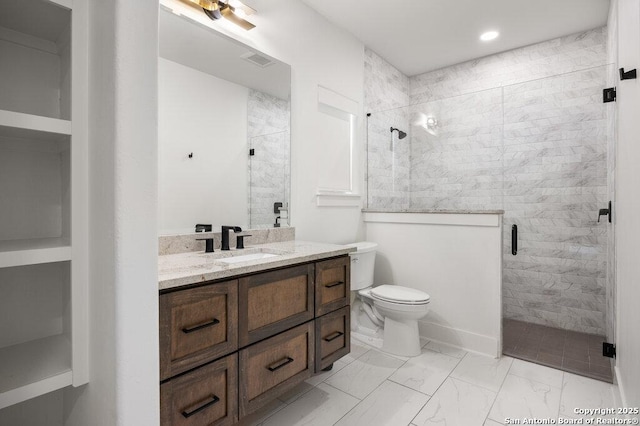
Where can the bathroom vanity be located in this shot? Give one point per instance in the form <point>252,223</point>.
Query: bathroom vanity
<point>236,334</point>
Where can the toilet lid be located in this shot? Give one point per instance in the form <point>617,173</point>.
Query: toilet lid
<point>399,294</point>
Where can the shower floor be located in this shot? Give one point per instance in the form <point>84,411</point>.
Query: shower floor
<point>571,351</point>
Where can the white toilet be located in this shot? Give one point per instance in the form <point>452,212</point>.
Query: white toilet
<point>392,308</point>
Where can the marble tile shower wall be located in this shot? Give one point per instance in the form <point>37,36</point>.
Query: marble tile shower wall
<point>388,159</point>
<point>457,163</point>
<point>268,132</point>
<point>525,131</point>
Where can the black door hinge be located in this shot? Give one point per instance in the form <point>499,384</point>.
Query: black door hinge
<point>252,151</point>
<point>609,95</point>
<point>608,350</point>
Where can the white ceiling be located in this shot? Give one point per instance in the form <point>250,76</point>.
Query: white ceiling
<point>423,35</point>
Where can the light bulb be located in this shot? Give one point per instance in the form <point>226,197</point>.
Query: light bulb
<point>489,35</point>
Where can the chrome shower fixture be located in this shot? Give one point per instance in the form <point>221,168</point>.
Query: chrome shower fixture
<point>401,134</point>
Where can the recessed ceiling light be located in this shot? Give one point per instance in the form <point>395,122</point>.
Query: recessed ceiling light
<point>489,35</point>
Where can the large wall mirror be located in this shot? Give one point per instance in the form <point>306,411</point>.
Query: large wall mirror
<point>224,130</point>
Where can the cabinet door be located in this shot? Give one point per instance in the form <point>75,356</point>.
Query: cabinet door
<point>196,326</point>
<point>333,284</point>
<point>274,301</point>
<point>207,396</point>
<point>332,337</point>
<point>274,366</point>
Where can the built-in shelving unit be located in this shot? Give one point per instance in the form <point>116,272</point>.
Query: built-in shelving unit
<point>34,368</point>
<point>43,198</point>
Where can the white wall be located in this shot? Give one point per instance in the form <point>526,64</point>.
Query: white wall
<point>124,365</point>
<point>627,206</point>
<point>319,54</point>
<point>124,357</point>
<point>457,260</point>
<point>207,116</point>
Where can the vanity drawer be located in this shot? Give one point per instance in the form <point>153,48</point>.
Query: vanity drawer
<point>274,366</point>
<point>196,326</point>
<point>332,337</point>
<point>274,301</point>
<point>207,396</point>
<point>333,279</point>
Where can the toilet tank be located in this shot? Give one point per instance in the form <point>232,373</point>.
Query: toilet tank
<point>362,263</point>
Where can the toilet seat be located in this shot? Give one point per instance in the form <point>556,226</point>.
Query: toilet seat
<point>400,295</point>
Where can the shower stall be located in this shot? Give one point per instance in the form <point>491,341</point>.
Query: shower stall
<point>539,150</point>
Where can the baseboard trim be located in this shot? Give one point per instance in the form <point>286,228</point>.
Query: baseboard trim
<point>623,397</point>
<point>469,341</point>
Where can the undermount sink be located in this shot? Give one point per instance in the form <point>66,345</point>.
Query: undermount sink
<point>246,257</point>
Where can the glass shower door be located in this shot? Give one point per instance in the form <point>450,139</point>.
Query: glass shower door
<point>555,180</point>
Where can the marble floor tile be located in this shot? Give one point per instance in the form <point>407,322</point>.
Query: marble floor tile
<point>583,392</point>
<point>483,371</point>
<point>456,403</point>
<point>377,389</point>
<point>357,350</point>
<point>321,377</point>
<point>295,393</point>
<point>539,373</point>
<point>523,398</point>
<point>445,349</point>
<point>365,374</point>
<point>322,406</point>
<point>256,418</point>
<point>389,405</point>
<point>425,373</point>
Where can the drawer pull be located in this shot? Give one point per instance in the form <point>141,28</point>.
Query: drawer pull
<point>335,284</point>
<point>188,330</point>
<point>213,400</point>
<point>278,365</point>
<point>333,336</point>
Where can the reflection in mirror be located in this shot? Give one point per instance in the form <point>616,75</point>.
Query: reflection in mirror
<point>224,130</point>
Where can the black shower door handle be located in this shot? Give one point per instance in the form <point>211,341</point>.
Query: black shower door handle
<point>514,240</point>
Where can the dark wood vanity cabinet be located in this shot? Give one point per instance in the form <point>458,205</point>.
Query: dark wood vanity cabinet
<point>333,284</point>
<point>274,366</point>
<point>333,332</point>
<point>197,325</point>
<point>274,301</point>
<point>205,396</point>
<point>228,348</point>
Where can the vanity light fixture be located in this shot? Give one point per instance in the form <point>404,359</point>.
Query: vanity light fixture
<point>232,10</point>
<point>489,35</point>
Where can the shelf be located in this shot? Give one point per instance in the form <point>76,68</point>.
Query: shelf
<point>34,251</point>
<point>34,368</point>
<point>28,126</point>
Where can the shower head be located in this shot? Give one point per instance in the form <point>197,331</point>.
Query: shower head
<point>401,134</point>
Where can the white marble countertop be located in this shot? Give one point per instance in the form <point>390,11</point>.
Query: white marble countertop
<point>437,211</point>
<point>175,270</point>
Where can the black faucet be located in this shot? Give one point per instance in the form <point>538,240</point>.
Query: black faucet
<point>208,244</point>
<point>200,227</point>
<point>225,235</point>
